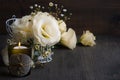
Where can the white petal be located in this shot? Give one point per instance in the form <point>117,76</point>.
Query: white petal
<point>22,27</point>
<point>46,29</point>
<point>62,26</point>
<point>22,23</point>
<point>87,38</point>
<point>69,39</point>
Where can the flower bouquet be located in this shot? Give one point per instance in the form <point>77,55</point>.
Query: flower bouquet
<point>41,30</point>
<point>36,34</point>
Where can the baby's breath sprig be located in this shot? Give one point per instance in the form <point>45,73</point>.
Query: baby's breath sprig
<point>36,8</point>
<point>57,10</point>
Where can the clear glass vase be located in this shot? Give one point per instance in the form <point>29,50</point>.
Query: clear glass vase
<point>42,54</point>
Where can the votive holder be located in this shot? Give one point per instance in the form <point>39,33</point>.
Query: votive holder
<point>19,60</point>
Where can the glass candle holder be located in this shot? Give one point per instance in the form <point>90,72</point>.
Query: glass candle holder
<point>19,60</point>
<point>15,49</point>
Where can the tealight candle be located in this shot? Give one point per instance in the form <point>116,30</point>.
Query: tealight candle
<point>19,59</point>
<point>19,48</point>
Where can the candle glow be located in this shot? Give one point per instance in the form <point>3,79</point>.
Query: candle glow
<point>20,47</point>
<point>19,44</point>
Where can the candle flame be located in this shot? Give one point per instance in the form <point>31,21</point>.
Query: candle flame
<point>19,44</point>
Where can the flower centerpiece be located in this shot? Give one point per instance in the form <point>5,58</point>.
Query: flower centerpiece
<point>42,30</point>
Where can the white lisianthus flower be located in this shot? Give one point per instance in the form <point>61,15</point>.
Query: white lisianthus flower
<point>69,38</point>
<point>22,27</point>
<point>45,29</point>
<point>87,38</point>
<point>62,26</point>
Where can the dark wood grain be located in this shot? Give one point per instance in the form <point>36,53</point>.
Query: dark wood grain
<point>100,62</point>
<point>99,16</point>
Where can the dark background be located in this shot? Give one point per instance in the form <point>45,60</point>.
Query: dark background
<point>98,16</point>
<point>100,62</point>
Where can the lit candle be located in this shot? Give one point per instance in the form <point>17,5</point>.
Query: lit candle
<point>20,47</point>
<point>19,59</point>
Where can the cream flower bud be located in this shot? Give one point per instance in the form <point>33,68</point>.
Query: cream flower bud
<point>69,38</point>
<point>87,38</point>
<point>46,29</point>
<point>22,27</point>
<point>23,23</point>
<point>62,26</point>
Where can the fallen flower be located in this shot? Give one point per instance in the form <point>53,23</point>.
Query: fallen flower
<point>87,38</point>
<point>69,39</point>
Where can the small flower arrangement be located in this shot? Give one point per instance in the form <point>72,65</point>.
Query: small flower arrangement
<point>43,29</point>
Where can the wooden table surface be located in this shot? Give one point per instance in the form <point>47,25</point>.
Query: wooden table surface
<point>101,62</point>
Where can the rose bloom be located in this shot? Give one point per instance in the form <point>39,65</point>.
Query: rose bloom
<point>87,38</point>
<point>21,28</point>
<point>45,29</point>
<point>42,27</point>
<point>69,39</point>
